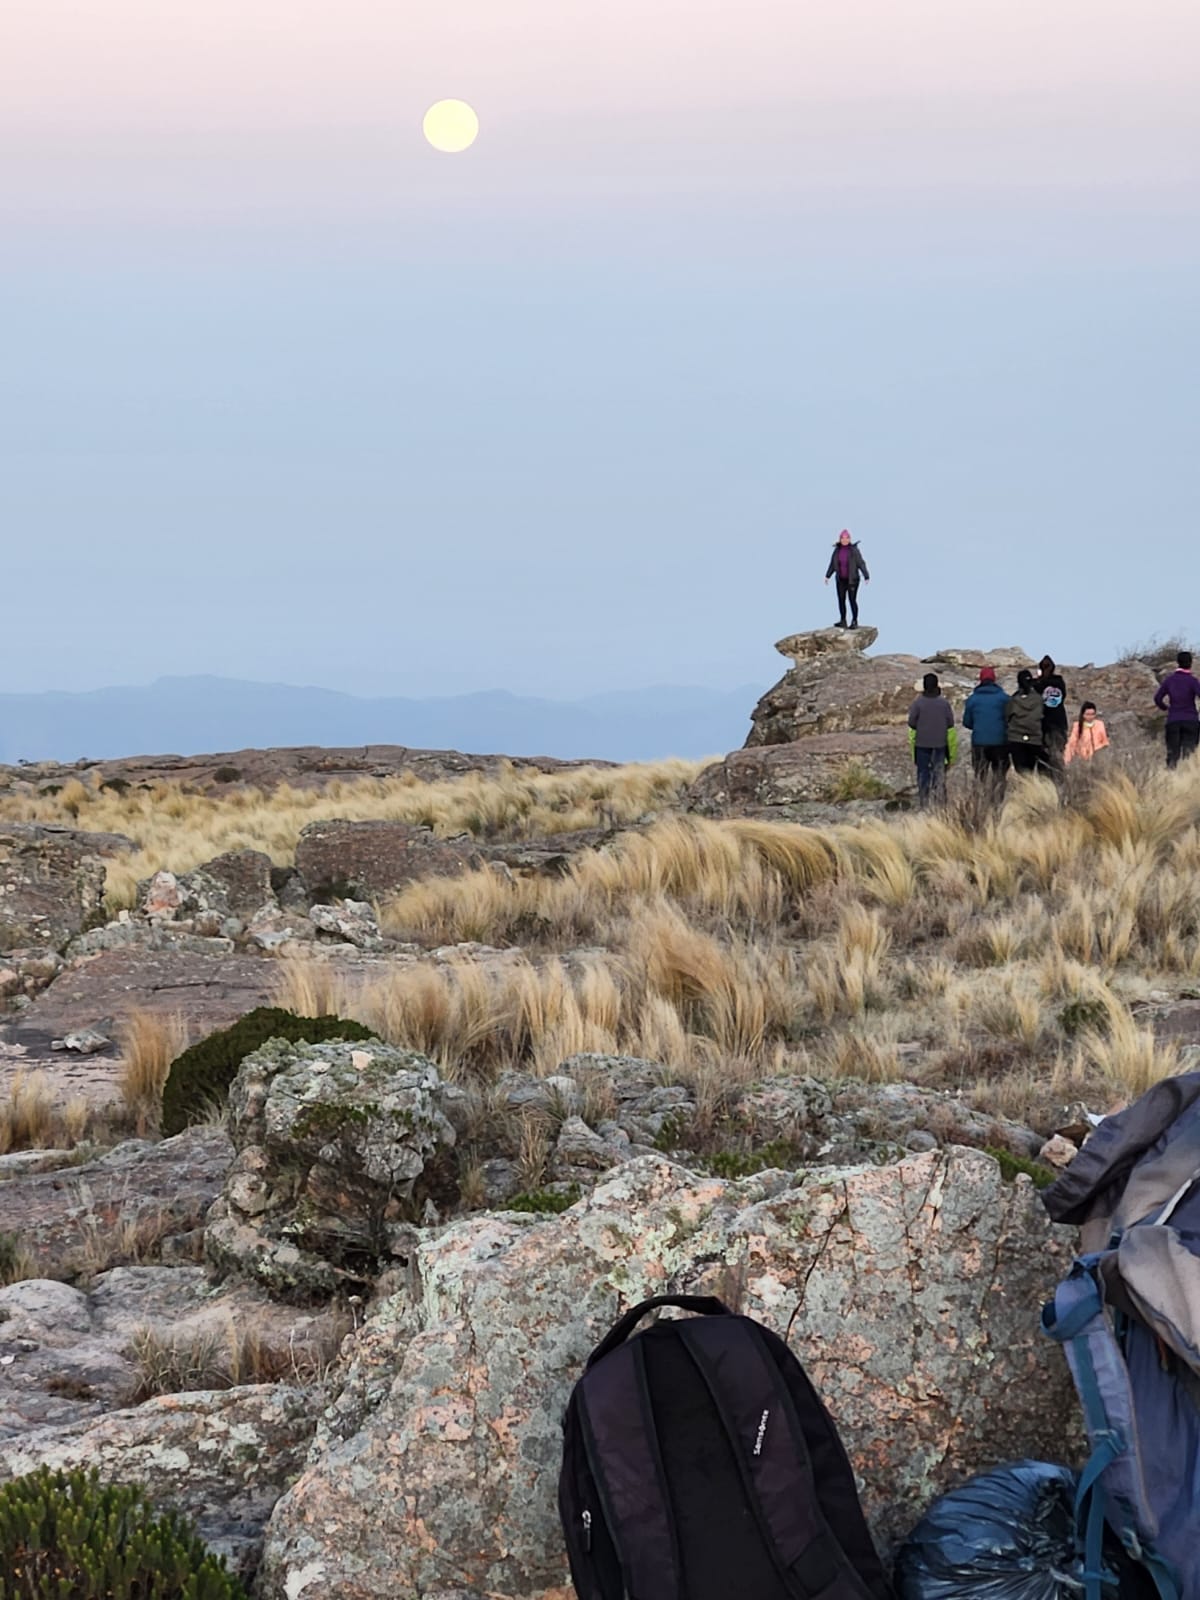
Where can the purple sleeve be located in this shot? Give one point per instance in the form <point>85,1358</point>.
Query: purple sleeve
<point>1160,696</point>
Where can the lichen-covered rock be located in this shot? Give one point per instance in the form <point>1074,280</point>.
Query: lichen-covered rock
<point>369,859</point>
<point>873,764</point>
<point>910,1292</point>
<point>349,921</point>
<point>137,1197</point>
<point>339,1145</point>
<point>236,884</point>
<point>801,647</point>
<point>221,1457</point>
<point>51,882</point>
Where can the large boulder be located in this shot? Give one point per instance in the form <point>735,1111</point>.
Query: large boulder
<point>340,1147</point>
<point>236,884</point>
<point>802,647</point>
<point>910,1292</point>
<point>51,882</point>
<point>840,692</point>
<point>132,1203</point>
<point>1007,660</point>
<point>830,766</point>
<point>364,860</point>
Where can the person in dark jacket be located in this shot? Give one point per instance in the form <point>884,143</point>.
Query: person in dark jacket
<point>983,714</point>
<point>846,564</point>
<point>932,738</point>
<point>1023,719</point>
<point>1056,726</point>
<point>1177,695</point>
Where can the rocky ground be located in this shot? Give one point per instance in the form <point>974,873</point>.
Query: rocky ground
<point>319,1326</point>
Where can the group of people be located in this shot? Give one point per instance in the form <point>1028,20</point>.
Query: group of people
<point>1029,730</point>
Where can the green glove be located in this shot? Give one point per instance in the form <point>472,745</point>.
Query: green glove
<point>912,742</point>
<point>952,747</point>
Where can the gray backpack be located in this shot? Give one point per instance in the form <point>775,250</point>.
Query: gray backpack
<point>1128,1317</point>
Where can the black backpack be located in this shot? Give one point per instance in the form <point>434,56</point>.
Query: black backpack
<point>700,1464</point>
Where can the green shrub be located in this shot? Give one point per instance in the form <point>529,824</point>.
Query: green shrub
<point>64,1536</point>
<point>227,774</point>
<point>200,1078</point>
<point>1010,1165</point>
<point>1084,1016</point>
<point>544,1202</point>
<point>745,1163</point>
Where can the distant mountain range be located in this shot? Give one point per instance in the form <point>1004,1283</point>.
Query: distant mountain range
<point>183,716</point>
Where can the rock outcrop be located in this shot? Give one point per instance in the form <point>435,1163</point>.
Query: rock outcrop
<point>833,688</point>
<point>868,765</point>
<point>152,1196</point>
<point>367,859</point>
<point>910,1292</point>
<point>802,647</point>
<point>300,766</point>
<point>51,882</point>
<point>340,1147</point>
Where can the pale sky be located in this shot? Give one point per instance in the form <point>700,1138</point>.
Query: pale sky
<point>287,395</point>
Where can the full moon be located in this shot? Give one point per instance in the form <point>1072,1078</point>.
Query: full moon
<point>451,125</point>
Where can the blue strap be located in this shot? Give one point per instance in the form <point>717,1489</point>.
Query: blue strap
<point>1089,1511</point>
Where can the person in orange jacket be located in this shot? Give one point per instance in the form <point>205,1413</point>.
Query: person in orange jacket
<point>1088,734</point>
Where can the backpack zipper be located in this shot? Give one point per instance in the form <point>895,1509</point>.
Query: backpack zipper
<point>587,1531</point>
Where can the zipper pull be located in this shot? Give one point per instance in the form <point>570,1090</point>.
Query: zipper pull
<point>587,1531</point>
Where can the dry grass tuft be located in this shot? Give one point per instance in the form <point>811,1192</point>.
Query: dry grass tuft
<point>233,1355</point>
<point>149,1044</point>
<point>1127,1056</point>
<point>16,1262</point>
<point>32,1118</point>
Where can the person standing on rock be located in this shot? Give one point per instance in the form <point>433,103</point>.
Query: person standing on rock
<point>847,566</point>
<point>1023,718</point>
<point>1177,695</point>
<point>983,714</point>
<point>932,738</point>
<point>1052,687</point>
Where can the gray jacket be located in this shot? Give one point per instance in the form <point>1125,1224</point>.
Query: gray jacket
<point>932,718</point>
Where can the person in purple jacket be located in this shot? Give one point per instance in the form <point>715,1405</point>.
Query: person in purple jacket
<point>846,564</point>
<point>1177,695</point>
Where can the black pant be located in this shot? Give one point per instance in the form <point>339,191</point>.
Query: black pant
<point>1026,757</point>
<point>990,763</point>
<point>847,588</point>
<point>1053,751</point>
<point>931,775</point>
<point>1182,739</point>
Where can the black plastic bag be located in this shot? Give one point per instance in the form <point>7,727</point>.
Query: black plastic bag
<point>1005,1535</point>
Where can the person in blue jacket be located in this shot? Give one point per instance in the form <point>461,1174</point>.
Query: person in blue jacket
<point>984,715</point>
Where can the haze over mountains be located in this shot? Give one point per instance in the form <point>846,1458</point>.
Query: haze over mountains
<point>186,715</point>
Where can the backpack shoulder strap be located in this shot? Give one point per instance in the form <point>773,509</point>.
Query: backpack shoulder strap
<point>1112,1486</point>
<point>618,1426</point>
<point>769,1441</point>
